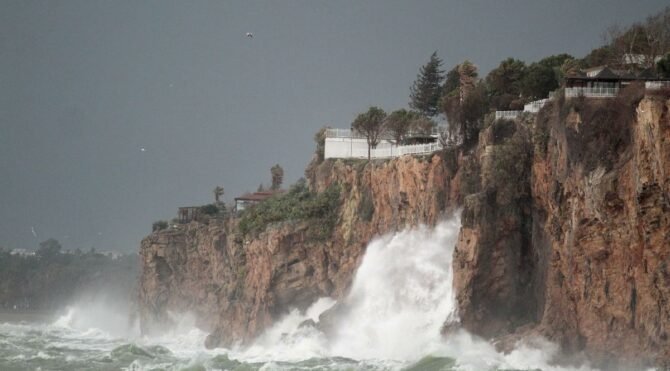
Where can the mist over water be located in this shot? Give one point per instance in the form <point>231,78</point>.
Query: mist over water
<point>400,299</point>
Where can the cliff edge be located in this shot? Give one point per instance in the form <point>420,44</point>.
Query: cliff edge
<point>578,250</point>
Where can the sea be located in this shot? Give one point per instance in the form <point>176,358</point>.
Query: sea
<point>399,301</point>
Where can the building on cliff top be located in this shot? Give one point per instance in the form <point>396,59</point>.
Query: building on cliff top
<point>187,213</point>
<point>250,199</point>
<point>604,82</point>
<point>595,82</point>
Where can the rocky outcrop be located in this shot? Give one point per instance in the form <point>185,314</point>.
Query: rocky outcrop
<point>566,234</point>
<point>584,259</point>
<point>238,285</point>
<point>493,260</point>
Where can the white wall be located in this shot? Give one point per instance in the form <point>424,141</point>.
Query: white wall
<point>358,148</point>
<point>349,147</point>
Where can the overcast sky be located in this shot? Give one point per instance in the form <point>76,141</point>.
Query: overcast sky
<point>84,85</point>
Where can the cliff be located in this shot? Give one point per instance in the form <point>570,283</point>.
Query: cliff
<point>238,284</point>
<point>579,250</point>
<point>565,234</point>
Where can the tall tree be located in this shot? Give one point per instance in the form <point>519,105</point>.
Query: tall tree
<point>49,248</point>
<point>543,76</point>
<point>467,78</point>
<point>504,83</point>
<point>461,82</point>
<point>398,124</point>
<point>277,177</point>
<point>426,91</point>
<point>506,78</point>
<point>642,43</point>
<point>570,67</point>
<point>451,82</point>
<point>371,125</point>
<point>218,192</point>
<point>471,114</point>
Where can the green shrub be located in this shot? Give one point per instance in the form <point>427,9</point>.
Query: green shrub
<point>298,204</point>
<point>541,129</point>
<point>450,159</point>
<point>366,208</point>
<point>605,129</point>
<point>210,209</point>
<point>470,176</point>
<point>510,170</point>
<point>159,225</point>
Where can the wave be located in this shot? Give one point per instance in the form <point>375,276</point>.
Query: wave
<point>401,296</point>
<point>392,318</point>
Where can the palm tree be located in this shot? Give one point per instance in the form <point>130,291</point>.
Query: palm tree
<point>218,192</point>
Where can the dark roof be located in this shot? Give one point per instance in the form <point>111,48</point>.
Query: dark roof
<point>647,74</point>
<point>257,196</point>
<point>609,74</point>
<point>189,207</point>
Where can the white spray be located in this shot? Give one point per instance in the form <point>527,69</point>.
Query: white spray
<point>400,298</point>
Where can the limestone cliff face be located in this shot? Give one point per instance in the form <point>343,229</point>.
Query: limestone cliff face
<point>184,269</point>
<point>566,234</point>
<point>237,286</point>
<point>584,259</point>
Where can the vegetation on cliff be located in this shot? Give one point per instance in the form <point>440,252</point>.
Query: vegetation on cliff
<point>320,210</point>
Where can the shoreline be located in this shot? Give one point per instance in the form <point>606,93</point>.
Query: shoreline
<point>17,316</point>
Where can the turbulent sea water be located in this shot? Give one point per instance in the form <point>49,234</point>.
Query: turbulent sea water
<point>399,300</point>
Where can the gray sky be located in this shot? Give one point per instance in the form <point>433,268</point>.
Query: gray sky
<point>85,84</point>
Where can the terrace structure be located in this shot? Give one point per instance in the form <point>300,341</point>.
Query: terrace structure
<point>346,143</point>
<point>596,82</point>
<point>249,199</point>
<point>187,214</point>
<point>604,82</point>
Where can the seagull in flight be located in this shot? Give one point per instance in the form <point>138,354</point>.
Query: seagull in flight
<point>249,34</point>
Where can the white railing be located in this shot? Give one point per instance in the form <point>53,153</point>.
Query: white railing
<point>342,133</point>
<point>507,114</point>
<point>397,151</point>
<point>656,85</point>
<point>535,106</point>
<point>348,133</point>
<point>593,92</point>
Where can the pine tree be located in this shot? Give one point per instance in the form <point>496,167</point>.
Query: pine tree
<point>426,90</point>
<point>277,177</point>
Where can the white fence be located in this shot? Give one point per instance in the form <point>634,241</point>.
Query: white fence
<point>348,133</point>
<point>358,148</point>
<point>535,106</point>
<point>593,92</point>
<point>396,151</point>
<point>507,114</point>
<point>657,85</point>
<point>342,133</point>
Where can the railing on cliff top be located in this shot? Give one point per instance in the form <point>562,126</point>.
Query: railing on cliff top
<point>535,106</point>
<point>593,92</point>
<point>397,151</point>
<point>657,85</point>
<point>348,133</point>
<point>507,114</point>
<point>343,133</point>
